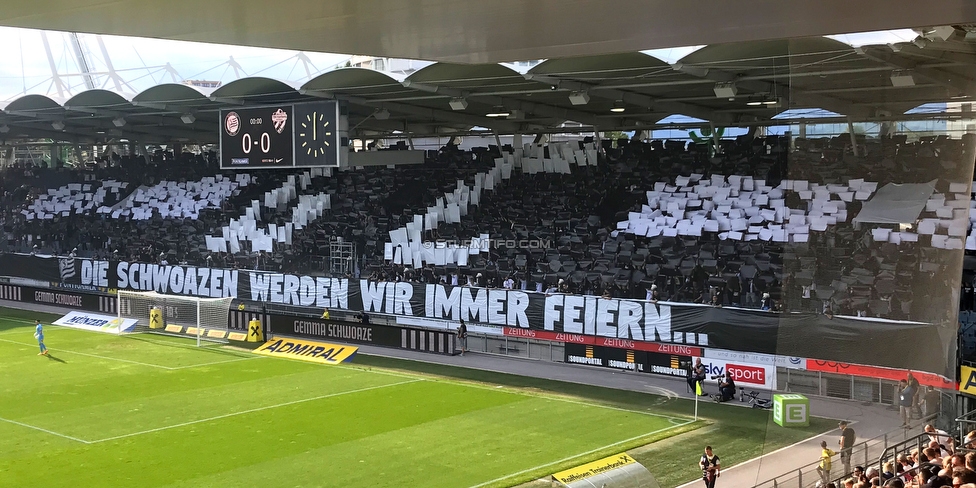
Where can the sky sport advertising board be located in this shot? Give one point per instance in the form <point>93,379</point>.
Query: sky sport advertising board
<point>745,375</point>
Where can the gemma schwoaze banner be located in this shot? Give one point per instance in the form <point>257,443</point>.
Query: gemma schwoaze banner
<point>786,334</point>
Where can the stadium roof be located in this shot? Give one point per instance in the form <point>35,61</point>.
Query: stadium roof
<point>480,32</point>
<point>769,78</point>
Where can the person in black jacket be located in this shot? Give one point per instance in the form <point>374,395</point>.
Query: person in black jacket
<point>710,466</point>
<point>462,337</point>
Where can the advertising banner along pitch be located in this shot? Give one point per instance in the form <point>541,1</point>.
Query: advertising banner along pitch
<point>799,335</point>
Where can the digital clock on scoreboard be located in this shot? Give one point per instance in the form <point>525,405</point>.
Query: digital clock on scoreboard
<point>317,135</point>
<point>261,137</point>
<point>283,136</point>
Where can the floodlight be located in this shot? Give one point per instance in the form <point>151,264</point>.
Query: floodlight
<point>579,98</point>
<point>902,79</point>
<point>725,90</point>
<point>459,103</point>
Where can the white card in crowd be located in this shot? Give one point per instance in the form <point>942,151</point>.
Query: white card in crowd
<point>410,236</point>
<point>724,202</point>
<point>166,199</point>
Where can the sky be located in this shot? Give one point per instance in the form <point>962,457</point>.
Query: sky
<point>142,62</point>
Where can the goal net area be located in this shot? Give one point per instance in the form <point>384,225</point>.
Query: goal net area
<point>202,318</point>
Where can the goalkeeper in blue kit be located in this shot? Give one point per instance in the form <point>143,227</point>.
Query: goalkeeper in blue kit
<point>39,335</point>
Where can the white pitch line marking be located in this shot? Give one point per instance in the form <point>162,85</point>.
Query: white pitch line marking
<point>95,356</point>
<point>34,427</point>
<point>580,455</point>
<point>252,410</point>
<point>516,391</point>
<point>218,362</point>
<point>140,363</point>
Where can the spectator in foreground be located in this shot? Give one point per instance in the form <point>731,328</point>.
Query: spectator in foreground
<point>846,443</point>
<point>824,468</point>
<point>942,438</point>
<point>905,395</point>
<point>961,476</point>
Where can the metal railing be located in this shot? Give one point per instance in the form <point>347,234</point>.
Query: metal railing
<point>966,423</point>
<point>865,453</point>
<point>890,454</point>
<point>519,347</point>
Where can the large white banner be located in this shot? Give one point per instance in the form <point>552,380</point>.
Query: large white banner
<point>791,362</point>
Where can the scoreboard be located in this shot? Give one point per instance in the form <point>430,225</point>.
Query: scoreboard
<point>280,136</point>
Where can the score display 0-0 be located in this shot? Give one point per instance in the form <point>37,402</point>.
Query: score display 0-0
<point>282,136</point>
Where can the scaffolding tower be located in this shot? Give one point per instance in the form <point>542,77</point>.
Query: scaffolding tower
<point>342,257</point>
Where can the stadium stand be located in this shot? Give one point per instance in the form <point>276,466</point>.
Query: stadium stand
<point>665,220</point>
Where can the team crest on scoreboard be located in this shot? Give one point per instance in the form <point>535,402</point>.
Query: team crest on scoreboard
<point>232,123</point>
<point>279,118</point>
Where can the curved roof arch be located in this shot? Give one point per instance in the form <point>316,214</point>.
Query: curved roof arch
<point>444,72</point>
<point>98,98</point>
<point>356,81</point>
<point>33,103</point>
<point>173,93</point>
<point>679,119</point>
<point>767,54</point>
<point>622,65</point>
<point>256,87</point>
<point>805,113</point>
<point>473,77</point>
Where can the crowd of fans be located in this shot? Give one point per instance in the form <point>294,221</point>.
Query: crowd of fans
<point>574,217</point>
<point>939,464</point>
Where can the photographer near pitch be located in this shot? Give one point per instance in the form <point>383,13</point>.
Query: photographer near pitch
<point>726,388</point>
<point>697,378</point>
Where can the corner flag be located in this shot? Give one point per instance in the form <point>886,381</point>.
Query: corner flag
<point>698,393</point>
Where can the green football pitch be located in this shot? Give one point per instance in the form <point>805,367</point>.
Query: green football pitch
<point>152,411</point>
